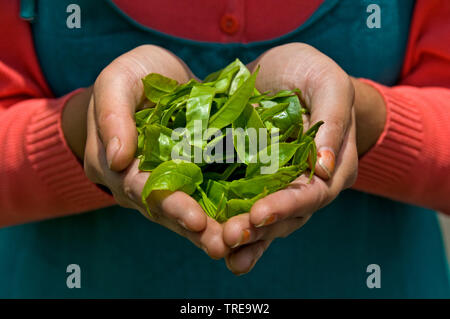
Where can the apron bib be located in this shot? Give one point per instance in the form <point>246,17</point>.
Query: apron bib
<point>121,254</point>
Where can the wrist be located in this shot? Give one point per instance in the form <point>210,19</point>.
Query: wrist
<point>370,113</point>
<point>74,118</point>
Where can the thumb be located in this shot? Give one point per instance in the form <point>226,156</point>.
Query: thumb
<point>115,102</point>
<point>334,106</point>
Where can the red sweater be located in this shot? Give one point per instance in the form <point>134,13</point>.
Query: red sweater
<point>40,177</point>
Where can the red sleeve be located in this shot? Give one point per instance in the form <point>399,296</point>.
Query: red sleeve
<point>411,160</point>
<point>39,176</point>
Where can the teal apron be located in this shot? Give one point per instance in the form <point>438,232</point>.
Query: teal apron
<point>121,254</point>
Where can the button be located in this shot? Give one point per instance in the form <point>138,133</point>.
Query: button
<point>229,24</point>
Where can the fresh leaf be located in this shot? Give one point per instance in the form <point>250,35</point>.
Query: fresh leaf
<point>250,187</point>
<point>174,175</point>
<point>235,105</point>
<point>246,133</point>
<point>283,152</point>
<point>157,85</point>
<point>223,186</point>
<point>198,107</point>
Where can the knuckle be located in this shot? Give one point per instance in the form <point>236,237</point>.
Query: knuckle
<point>323,197</point>
<point>336,125</point>
<point>128,192</point>
<point>127,185</point>
<point>104,117</point>
<point>216,249</point>
<point>91,172</point>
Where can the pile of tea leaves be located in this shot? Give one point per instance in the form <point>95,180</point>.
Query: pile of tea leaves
<point>221,140</point>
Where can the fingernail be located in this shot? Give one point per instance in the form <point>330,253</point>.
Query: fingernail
<point>112,149</point>
<point>182,224</point>
<point>245,237</point>
<point>326,160</point>
<point>269,220</point>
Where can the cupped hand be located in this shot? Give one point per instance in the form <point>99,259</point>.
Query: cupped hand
<point>328,93</point>
<point>112,140</point>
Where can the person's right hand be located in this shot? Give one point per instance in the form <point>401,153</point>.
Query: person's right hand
<point>112,141</point>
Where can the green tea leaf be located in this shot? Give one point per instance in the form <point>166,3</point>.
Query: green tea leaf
<point>174,175</point>
<point>157,85</point>
<point>234,106</point>
<point>242,75</point>
<point>157,146</point>
<point>283,153</point>
<point>238,206</point>
<point>198,107</point>
<point>141,116</point>
<point>268,113</point>
<point>246,133</point>
<point>292,115</point>
<point>250,187</point>
<point>227,98</point>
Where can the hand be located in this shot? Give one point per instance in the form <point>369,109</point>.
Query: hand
<point>112,140</point>
<point>329,94</point>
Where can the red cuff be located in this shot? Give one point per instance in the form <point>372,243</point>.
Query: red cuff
<point>390,160</point>
<point>56,165</point>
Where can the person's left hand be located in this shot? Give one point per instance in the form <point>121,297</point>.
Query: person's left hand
<point>328,93</point>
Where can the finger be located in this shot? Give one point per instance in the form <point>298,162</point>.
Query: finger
<point>94,156</point>
<point>192,236</point>
<point>331,102</point>
<point>115,104</point>
<point>176,206</point>
<point>347,162</point>
<point>239,231</point>
<point>208,237</point>
<point>244,259</point>
<point>179,207</point>
<point>174,210</point>
<point>211,240</point>
<point>301,198</point>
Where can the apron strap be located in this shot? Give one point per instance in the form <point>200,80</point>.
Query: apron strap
<point>28,9</point>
